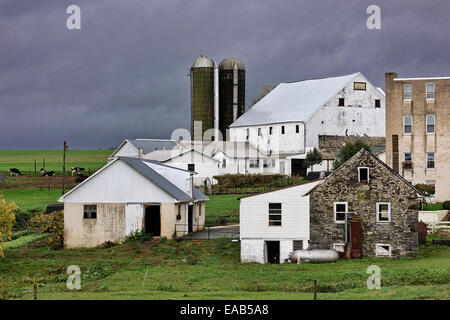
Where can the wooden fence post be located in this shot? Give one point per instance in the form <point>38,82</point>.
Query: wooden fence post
<point>35,291</point>
<point>315,289</point>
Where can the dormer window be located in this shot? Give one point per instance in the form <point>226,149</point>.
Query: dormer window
<point>363,175</point>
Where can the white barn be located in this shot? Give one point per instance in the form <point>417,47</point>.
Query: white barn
<point>129,195</point>
<point>287,122</point>
<point>272,224</point>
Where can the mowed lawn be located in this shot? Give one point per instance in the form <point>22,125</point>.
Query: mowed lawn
<point>210,269</point>
<point>24,159</point>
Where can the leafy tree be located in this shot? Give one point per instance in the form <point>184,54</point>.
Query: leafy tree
<point>426,189</point>
<point>313,157</point>
<point>53,224</point>
<point>7,219</point>
<point>265,90</point>
<point>348,151</point>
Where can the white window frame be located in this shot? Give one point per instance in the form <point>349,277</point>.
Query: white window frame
<point>405,98</point>
<point>359,174</point>
<point>334,209</point>
<point>404,124</point>
<point>427,124</point>
<point>90,208</point>
<point>430,93</point>
<point>434,160</point>
<point>378,245</point>
<point>259,132</point>
<point>280,214</point>
<point>378,211</point>
<point>224,163</point>
<point>283,130</point>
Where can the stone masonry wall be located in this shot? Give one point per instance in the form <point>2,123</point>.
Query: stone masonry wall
<point>384,186</point>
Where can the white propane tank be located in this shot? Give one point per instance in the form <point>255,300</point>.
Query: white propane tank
<point>315,256</point>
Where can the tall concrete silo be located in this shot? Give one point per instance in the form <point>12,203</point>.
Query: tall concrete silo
<point>202,95</point>
<point>231,92</point>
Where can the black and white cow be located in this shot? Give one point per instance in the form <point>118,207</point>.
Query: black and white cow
<point>47,173</point>
<point>77,170</point>
<point>14,171</point>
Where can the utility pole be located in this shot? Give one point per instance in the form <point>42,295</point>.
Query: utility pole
<point>64,166</point>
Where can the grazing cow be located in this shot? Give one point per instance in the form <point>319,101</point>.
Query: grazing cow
<point>47,173</point>
<point>14,171</point>
<point>77,170</point>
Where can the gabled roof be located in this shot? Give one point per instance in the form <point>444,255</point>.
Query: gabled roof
<point>148,145</point>
<point>154,177</point>
<point>293,101</point>
<point>282,188</point>
<point>374,157</point>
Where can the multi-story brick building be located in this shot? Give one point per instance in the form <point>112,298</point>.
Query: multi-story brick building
<point>418,130</point>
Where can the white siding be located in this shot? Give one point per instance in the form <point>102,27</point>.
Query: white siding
<point>118,183</point>
<point>127,150</point>
<point>254,214</point>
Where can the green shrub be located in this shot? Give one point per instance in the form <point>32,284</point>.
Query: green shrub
<point>446,205</point>
<point>23,218</point>
<point>53,224</point>
<point>140,236</point>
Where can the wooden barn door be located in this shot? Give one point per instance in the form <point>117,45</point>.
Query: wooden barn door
<point>356,238</point>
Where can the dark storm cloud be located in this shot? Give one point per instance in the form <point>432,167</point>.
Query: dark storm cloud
<point>124,74</point>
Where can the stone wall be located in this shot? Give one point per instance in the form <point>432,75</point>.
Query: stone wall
<point>384,186</point>
<point>329,145</point>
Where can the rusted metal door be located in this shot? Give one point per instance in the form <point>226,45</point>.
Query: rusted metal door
<point>356,238</point>
<point>422,232</point>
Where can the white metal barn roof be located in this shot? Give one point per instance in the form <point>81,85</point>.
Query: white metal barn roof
<point>293,101</point>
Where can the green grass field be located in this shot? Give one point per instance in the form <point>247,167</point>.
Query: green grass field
<point>27,199</point>
<point>155,270</point>
<point>24,159</point>
<point>220,205</point>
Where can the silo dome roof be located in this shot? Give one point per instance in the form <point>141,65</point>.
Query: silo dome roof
<point>229,63</point>
<point>203,62</point>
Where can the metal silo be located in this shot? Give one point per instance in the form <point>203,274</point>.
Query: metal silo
<point>231,92</point>
<point>202,95</point>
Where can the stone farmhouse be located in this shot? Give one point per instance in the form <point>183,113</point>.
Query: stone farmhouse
<point>129,195</point>
<point>376,206</point>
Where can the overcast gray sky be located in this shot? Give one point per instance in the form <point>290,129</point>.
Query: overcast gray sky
<point>123,75</point>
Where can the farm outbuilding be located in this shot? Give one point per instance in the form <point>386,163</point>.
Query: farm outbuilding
<point>129,195</point>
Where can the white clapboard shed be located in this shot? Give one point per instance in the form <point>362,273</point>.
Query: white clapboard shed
<point>129,195</point>
<point>273,224</point>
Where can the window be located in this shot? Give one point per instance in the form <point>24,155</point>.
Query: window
<point>430,123</point>
<point>282,129</point>
<point>383,250</point>
<point>270,130</point>
<point>341,102</point>
<point>407,164</point>
<point>297,128</point>
<point>430,160</point>
<point>377,103</point>
<point>191,167</point>
<point>383,212</point>
<point>179,212</point>
<point>430,91</point>
<point>248,133</point>
<point>90,212</point>
<point>340,208</point>
<point>274,214</point>
<point>407,124</point>
<point>297,245</point>
<point>224,163</point>
<point>265,163</point>
<point>431,182</point>
<point>363,174</point>
<point>359,86</point>
<point>254,163</point>
<point>407,92</point>
<point>259,132</point>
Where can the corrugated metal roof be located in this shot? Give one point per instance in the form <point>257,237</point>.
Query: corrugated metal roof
<point>294,101</point>
<point>150,145</point>
<point>161,181</point>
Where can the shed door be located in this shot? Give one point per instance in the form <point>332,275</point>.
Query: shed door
<point>153,220</point>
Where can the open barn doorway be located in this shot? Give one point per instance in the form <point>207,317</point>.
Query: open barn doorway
<point>273,252</point>
<point>298,167</point>
<point>190,218</point>
<point>152,222</point>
